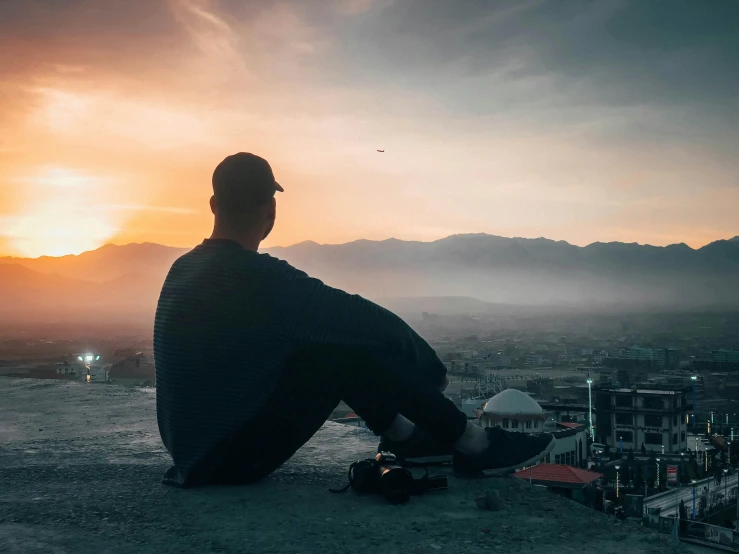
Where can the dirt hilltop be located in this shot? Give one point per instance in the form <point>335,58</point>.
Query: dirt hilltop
<point>80,470</point>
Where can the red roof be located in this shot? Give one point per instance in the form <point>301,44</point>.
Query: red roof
<point>559,473</point>
<point>570,424</point>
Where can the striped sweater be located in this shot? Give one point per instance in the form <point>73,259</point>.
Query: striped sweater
<point>226,321</point>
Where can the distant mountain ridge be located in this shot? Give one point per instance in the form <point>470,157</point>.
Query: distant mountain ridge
<point>479,267</point>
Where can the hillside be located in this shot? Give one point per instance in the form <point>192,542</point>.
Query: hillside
<point>459,274</point>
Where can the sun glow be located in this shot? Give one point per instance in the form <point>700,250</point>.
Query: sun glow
<point>60,215</point>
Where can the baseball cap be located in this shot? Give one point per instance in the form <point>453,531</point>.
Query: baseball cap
<point>244,175</point>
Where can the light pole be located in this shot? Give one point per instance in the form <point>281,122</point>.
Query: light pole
<point>726,478</point>
<point>621,444</point>
<point>694,379</point>
<point>677,504</point>
<point>693,481</point>
<point>657,475</point>
<point>705,460</point>
<point>696,445</point>
<point>663,449</point>
<point>617,468</point>
<point>590,407</point>
<point>708,495</point>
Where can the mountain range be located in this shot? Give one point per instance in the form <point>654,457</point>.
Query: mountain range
<point>474,273</point>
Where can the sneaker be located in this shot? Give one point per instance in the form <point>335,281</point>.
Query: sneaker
<point>507,453</point>
<point>419,448</point>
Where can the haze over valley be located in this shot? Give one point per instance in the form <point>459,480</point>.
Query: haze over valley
<point>461,274</point>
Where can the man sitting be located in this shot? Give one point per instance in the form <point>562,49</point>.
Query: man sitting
<point>253,355</point>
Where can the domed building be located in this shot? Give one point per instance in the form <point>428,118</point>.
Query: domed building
<point>515,411</point>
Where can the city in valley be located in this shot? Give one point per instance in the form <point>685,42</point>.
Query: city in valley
<point>644,405</point>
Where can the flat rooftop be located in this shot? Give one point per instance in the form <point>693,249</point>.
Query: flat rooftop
<point>82,463</point>
<point>639,390</point>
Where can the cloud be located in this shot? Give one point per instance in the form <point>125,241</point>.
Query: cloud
<point>146,208</point>
<point>211,34</point>
<point>53,177</point>
<point>545,61</point>
<point>358,7</point>
<point>103,115</point>
<point>542,113</point>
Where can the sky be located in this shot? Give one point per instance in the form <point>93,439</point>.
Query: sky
<point>584,121</point>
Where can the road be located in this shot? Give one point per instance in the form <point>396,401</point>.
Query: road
<point>668,501</point>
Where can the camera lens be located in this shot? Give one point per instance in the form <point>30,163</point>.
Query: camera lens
<point>396,484</point>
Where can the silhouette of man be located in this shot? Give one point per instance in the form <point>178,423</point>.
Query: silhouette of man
<point>252,356</point>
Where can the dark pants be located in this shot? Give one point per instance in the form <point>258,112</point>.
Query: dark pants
<point>311,386</point>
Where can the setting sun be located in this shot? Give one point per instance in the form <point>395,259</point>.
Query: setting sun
<point>60,214</point>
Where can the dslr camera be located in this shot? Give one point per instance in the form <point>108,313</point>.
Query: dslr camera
<point>383,475</point>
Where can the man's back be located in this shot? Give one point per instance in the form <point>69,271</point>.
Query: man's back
<point>227,321</point>
<point>216,345</point>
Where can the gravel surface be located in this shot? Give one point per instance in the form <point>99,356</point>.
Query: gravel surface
<point>80,471</point>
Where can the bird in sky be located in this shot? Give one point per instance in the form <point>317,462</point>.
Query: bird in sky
<point>380,150</point>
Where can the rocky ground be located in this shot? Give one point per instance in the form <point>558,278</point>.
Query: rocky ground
<point>80,470</point>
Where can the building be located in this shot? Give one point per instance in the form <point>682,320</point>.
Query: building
<point>647,358</point>
<point>725,356</point>
<point>572,443</point>
<point>68,370</point>
<point>536,360</point>
<point>653,416</point>
<point>662,357</point>
<point>458,367</point>
<point>565,480</point>
<point>501,360</point>
<point>136,369</point>
<point>98,373</point>
<point>515,411</point>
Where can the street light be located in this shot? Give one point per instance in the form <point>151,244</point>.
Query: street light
<point>657,474</point>
<point>617,468</point>
<point>663,449</point>
<point>726,498</point>
<point>693,481</point>
<point>621,444</point>
<point>590,407</point>
<point>677,513</point>
<point>705,460</point>
<point>694,378</point>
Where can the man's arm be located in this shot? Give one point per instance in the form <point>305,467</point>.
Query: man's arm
<point>319,314</point>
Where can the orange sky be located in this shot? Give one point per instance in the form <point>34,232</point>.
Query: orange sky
<point>112,123</point>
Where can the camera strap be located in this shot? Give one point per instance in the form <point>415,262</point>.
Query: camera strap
<point>428,484</point>
<point>349,484</point>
